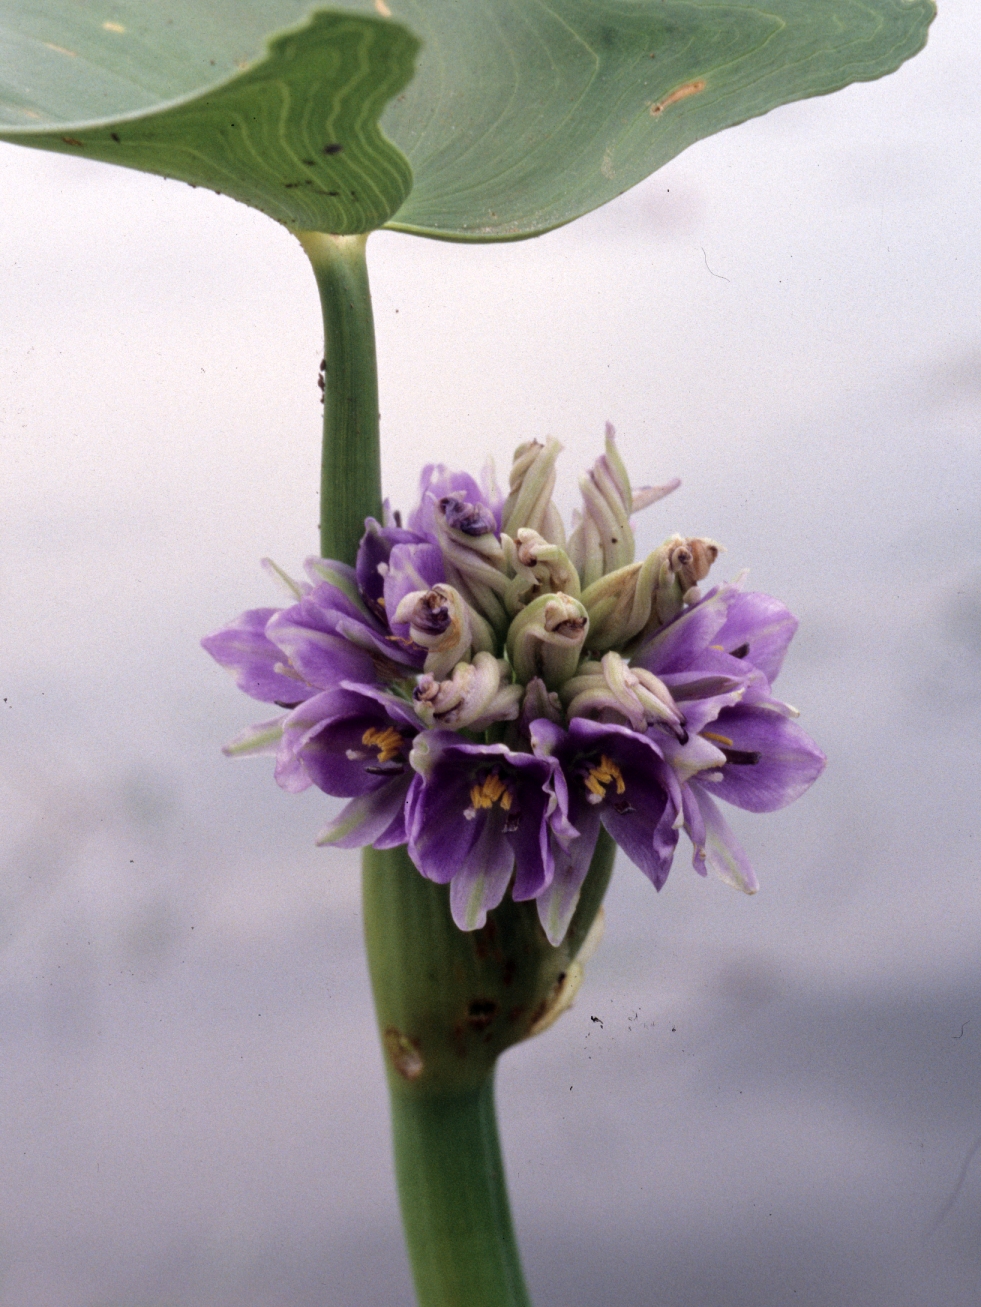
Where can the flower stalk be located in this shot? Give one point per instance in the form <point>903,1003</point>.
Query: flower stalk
<point>448,1003</point>
<point>350,470</point>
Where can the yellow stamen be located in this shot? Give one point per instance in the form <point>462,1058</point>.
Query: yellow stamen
<point>717,739</point>
<point>388,742</point>
<point>491,791</point>
<point>603,775</point>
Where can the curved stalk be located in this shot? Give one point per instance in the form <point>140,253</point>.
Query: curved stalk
<point>350,470</point>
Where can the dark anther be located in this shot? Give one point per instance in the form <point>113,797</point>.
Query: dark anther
<point>511,822</point>
<point>392,768</point>
<point>742,757</point>
<point>622,807</point>
<point>471,519</point>
<point>431,614</point>
<point>398,518</point>
<point>333,148</point>
<point>279,703</point>
<point>741,652</point>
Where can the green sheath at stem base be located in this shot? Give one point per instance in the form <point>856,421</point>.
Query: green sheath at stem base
<point>448,1003</point>
<point>350,470</point>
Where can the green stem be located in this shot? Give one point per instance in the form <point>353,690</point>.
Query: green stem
<point>448,1003</point>
<point>350,470</point>
<point>454,1199</point>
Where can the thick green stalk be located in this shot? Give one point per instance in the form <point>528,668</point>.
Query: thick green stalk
<point>350,470</point>
<point>448,1003</point>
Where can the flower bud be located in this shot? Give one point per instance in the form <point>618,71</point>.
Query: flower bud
<point>475,696</point>
<point>610,691</point>
<point>472,555</point>
<point>602,540</point>
<point>539,567</point>
<point>674,570</point>
<point>532,482</point>
<point>442,622</point>
<point>546,639</point>
<point>540,702</point>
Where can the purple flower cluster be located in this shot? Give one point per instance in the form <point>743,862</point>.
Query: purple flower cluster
<point>490,691</point>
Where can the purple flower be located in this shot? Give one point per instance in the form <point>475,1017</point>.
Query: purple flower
<point>491,696</point>
<point>352,742</point>
<point>475,813</point>
<point>617,776</point>
<point>286,655</point>
<point>743,746</point>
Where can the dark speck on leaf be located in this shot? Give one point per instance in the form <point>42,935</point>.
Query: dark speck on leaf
<point>309,163</point>
<point>72,140</point>
<point>114,137</point>
<point>333,192</point>
<point>333,148</point>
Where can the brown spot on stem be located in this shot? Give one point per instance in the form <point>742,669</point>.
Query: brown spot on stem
<point>480,1013</point>
<point>73,140</point>
<point>681,93</point>
<point>404,1054</point>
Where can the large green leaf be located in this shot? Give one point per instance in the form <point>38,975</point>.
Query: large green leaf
<point>523,114</point>
<point>527,113</point>
<point>295,134</point>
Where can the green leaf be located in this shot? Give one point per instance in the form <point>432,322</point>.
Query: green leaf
<point>523,114</point>
<point>295,134</point>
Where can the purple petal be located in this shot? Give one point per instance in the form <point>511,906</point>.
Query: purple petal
<point>721,852</point>
<point>675,647</point>
<point>244,649</point>
<point>557,902</point>
<point>436,482</point>
<point>375,818</point>
<point>759,629</point>
<point>374,552</point>
<point>328,739</point>
<point>445,822</point>
<point>481,883</point>
<point>321,657</point>
<point>410,568</point>
<point>770,761</point>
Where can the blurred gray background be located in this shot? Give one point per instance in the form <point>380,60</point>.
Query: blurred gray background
<point>780,1102</point>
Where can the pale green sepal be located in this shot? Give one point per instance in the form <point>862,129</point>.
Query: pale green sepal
<point>257,740</point>
<point>293,588</point>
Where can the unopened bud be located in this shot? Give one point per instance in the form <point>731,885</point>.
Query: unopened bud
<point>532,482</point>
<point>546,639</point>
<point>475,696</point>
<point>539,567</point>
<point>472,555</point>
<point>443,623</point>
<point>540,702</point>
<point>673,570</point>
<point>610,691</point>
<point>602,539</point>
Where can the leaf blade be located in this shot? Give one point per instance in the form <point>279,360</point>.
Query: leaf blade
<point>586,112</point>
<point>296,135</point>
